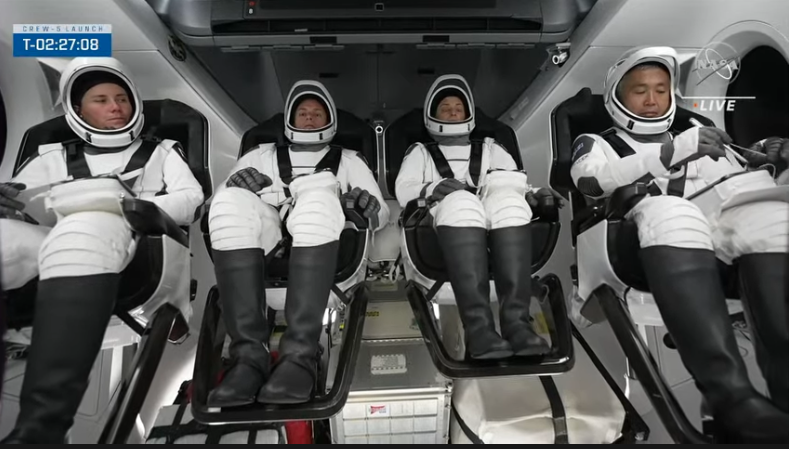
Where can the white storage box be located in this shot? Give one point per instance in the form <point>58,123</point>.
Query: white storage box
<point>397,397</point>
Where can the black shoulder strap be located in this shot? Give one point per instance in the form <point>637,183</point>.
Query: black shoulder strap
<point>283,163</point>
<point>76,165</point>
<point>617,143</point>
<point>439,160</point>
<point>142,155</point>
<point>676,187</point>
<point>331,160</point>
<point>475,161</point>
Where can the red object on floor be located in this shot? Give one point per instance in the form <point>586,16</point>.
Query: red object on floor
<point>299,432</point>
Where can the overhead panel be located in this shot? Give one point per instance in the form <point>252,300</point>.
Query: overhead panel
<point>249,25</point>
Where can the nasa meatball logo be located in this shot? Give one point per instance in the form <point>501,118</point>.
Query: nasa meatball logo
<point>715,63</point>
<point>717,59</point>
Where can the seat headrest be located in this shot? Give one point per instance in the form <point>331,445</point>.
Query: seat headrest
<point>585,113</point>
<point>164,119</point>
<point>410,128</point>
<point>353,133</point>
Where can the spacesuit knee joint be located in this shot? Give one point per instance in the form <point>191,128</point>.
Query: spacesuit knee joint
<point>671,221</point>
<point>317,216</point>
<point>238,219</point>
<point>86,243</point>
<point>20,243</point>
<point>460,209</point>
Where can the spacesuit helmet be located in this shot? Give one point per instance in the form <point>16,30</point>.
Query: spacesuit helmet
<point>448,86</point>
<point>82,74</point>
<point>314,90</point>
<point>626,119</point>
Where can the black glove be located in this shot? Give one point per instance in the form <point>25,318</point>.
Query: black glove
<point>250,179</point>
<point>446,187</point>
<point>712,141</point>
<point>774,150</point>
<point>544,199</point>
<point>364,202</point>
<point>9,207</point>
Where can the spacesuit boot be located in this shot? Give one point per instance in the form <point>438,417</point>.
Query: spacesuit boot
<point>465,252</point>
<point>764,279</point>
<point>72,314</point>
<point>687,287</point>
<point>310,277</point>
<point>510,250</point>
<point>239,275</point>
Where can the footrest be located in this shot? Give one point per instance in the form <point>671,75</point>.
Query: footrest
<point>324,406</point>
<point>559,360</point>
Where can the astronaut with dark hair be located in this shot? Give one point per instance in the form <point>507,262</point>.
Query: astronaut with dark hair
<point>682,239</point>
<point>78,261</point>
<point>479,200</point>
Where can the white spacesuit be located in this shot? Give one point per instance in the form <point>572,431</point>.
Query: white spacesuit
<point>681,238</point>
<point>300,184</point>
<point>78,261</point>
<point>475,187</point>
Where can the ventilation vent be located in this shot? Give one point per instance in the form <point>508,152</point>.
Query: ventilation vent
<point>372,25</point>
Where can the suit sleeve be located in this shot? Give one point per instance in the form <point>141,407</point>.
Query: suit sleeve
<point>33,174</point>
<point>500,159</point>
<point>411,183</point>
<point>597,176</point>
<point>184,194</point>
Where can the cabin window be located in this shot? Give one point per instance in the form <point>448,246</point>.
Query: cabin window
<point>763,74</point>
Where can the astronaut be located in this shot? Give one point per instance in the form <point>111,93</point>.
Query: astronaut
<point>680,242</point>
<point>78,261</point>
<point>478,199</point>
<point>302,185</point>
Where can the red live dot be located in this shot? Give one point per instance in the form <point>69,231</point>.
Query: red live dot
<point>251,3</point>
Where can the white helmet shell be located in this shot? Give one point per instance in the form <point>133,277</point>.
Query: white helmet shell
<point>455,84</point>
<point>633,123</point>
<point>322,135</point>
<point>100,137</point>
